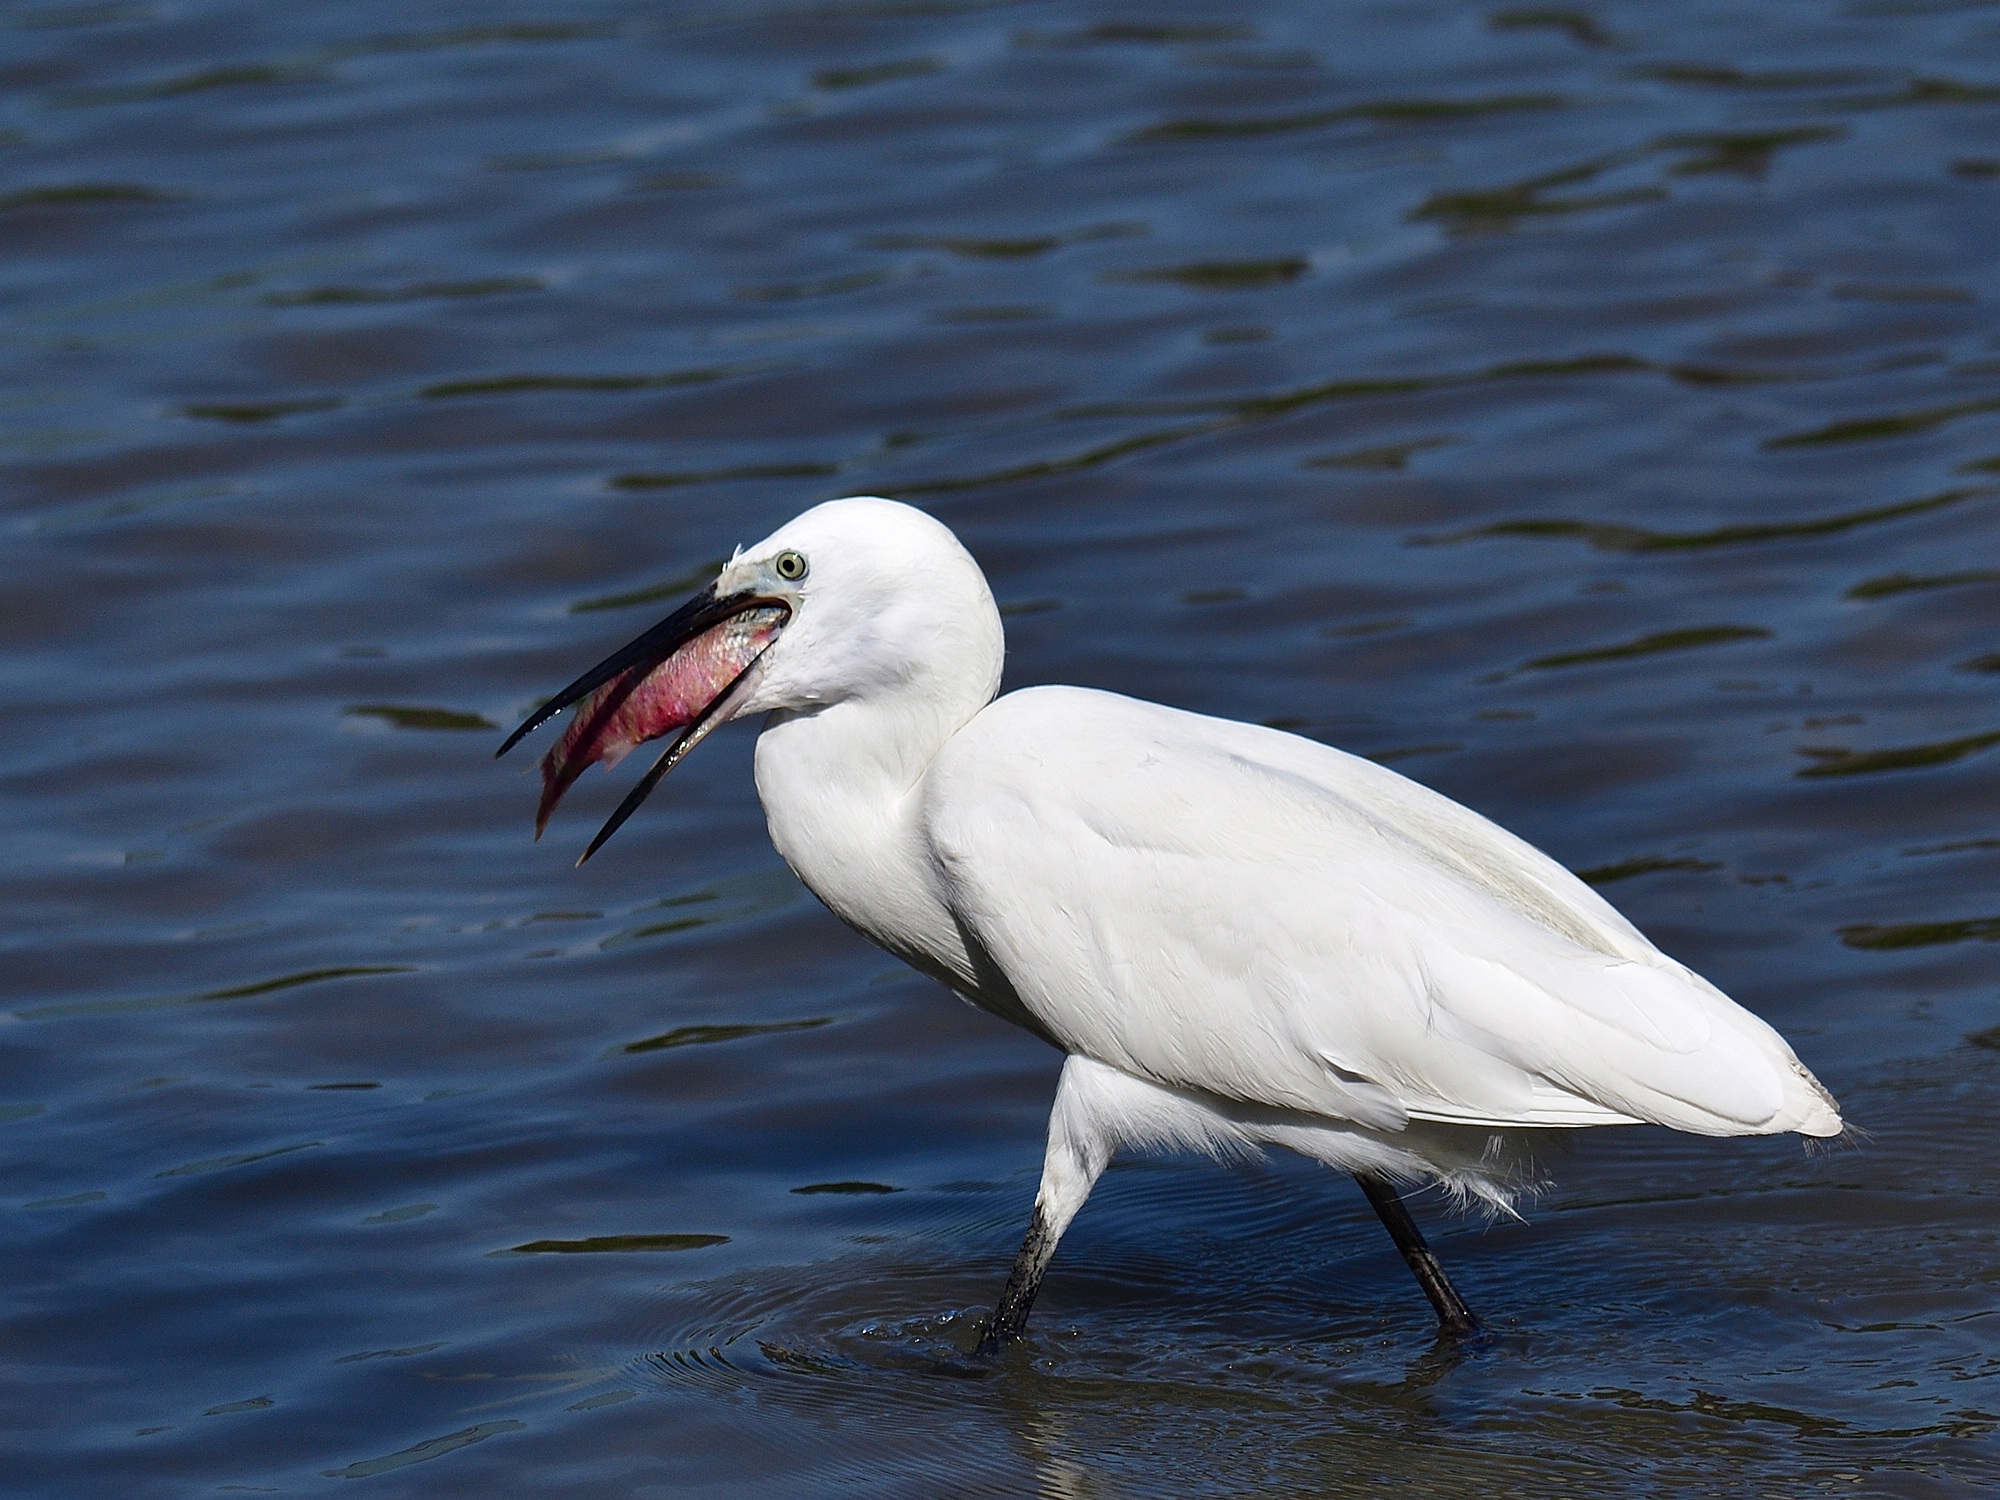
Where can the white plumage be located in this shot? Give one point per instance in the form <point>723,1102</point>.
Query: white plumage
<point>1238,936</point>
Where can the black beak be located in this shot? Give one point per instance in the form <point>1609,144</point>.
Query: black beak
<point>633,662</point>
<point>703,612</point>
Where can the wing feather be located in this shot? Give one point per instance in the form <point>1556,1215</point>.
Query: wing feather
<point>1208,904</point>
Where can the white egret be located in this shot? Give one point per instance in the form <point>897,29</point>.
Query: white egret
<point>1238,937</point>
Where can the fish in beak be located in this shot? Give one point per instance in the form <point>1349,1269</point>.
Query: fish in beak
<point>690,672</point>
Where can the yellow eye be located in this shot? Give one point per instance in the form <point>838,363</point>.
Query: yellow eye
<point>790,566</point>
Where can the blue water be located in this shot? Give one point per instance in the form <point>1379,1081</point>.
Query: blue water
<point>1593,412</point>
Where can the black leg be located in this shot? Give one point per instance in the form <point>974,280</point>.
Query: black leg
<point>1452,1312</point>
<point>1018,1296</point>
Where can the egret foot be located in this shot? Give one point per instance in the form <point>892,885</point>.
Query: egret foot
<point>1454,1316</point>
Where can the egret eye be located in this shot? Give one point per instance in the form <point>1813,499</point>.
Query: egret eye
<point>790,566</point>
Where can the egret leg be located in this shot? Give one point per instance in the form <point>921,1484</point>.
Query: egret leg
<point>1079,1147</point>
<point>1017,1298</point>
<point>1455,1317</point>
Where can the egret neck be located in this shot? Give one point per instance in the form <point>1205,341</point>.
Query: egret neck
<point>842,794</point>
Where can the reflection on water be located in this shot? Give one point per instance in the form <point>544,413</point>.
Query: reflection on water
<point>1590,411</point>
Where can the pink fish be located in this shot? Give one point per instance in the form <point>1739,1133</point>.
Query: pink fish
<point>645,703</point>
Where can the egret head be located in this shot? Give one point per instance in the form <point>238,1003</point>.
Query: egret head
<point>855,599</point>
